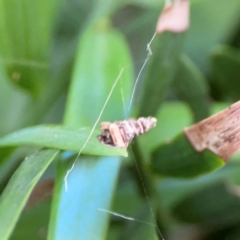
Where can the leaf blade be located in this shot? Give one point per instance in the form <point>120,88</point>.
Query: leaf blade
<point>105,70</point>
<point>162,68</point>
<point>60,137</point>
<point>190,86</point>
<point>15,195</point>
<point>88,173</point>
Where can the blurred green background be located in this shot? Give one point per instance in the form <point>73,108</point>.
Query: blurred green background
<point>58,61</point>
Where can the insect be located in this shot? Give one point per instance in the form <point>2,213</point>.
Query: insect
<point>121,133</point>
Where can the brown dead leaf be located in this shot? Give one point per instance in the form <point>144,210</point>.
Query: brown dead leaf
<point>174,17</point>
<point>219,133</point>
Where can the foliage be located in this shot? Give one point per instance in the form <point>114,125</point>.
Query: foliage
<point>58,62</point>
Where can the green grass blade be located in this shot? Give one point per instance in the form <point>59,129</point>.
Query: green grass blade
<point>75,213</point>
<point>191,86</point>
<point>60,137</point>
<point>101,55</point>
<point>171,119</point>
<point>16,193</point>
<point>162,67</point>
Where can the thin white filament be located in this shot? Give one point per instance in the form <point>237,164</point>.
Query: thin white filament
<point>93,128</point>
<point>123,99</point>
<point>141,179</point>
<point>143,66</point>
<point>125,217</point>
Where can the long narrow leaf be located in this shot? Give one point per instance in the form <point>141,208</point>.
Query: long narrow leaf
<point>162,67</point>
<point>76,212</point>
<point>190,85</point>
<point>60,137</point>
<point>15,195</point>
<point>102,53</point>
<point>101,57</point>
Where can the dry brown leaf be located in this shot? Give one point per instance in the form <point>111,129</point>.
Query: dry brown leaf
<point>219,133</point>
<point>174,17</point>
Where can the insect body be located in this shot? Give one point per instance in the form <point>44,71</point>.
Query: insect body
<point>121,133</point>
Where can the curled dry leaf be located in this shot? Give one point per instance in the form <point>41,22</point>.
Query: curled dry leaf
<point>174,17</point>
<point>121,133</point>
<point>219,133</point>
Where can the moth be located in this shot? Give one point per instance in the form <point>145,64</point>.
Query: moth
<point>121,133</point>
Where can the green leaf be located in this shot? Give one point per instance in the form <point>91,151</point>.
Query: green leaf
<point>16,193</point>
<point>180,159</point>
<point>102,54</point>
<point>190,85</point>
<point>172,117</point>
<point>60,137</point>
<point>162,67</point>
<point>225,62</point>
<point>215,206</point>
<point>11,158</point>
<point>90,188</point>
